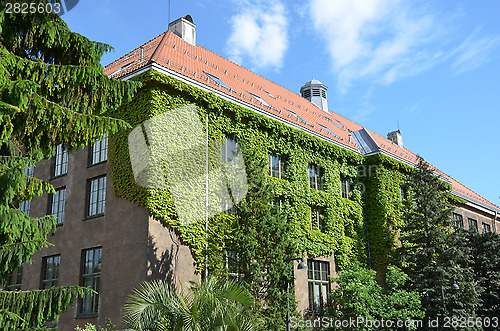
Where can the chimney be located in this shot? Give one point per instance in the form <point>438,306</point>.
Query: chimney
<point>184,28</point>
<point>315,92</point>
<point>396,137</point>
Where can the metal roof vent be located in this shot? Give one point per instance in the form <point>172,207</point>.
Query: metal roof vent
<point>184,28</point>
<point>315,92</point>
<point>396,137</point>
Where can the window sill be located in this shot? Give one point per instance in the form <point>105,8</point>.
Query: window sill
<point>93,216</point>
<point>96,164</point>
<point>93,315</point>
<point>58,176</point>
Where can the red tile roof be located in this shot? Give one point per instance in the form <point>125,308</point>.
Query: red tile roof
<point>197,63</point>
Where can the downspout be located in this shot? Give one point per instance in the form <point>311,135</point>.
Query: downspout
<point>495,222</point>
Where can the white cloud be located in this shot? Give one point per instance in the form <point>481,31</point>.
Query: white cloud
<point>474,51</point>
<point>385,40</point>
<point>259,35</point>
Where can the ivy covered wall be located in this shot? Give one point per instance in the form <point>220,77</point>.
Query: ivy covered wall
<point>374,206</point>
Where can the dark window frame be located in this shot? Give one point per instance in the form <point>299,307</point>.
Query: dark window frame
<point>315,178</point>
<point>88,306</point>
<point>318,274</point>
<point>486,227</point>
<point>317,219</point>
<point>458,220</point>
<point>473,224</point>
<point>50,208</point>
<point>345,187</point>
<point>15,280</point>
<point>281,169</point>
<point>50,278</point>
<point>89,201</point>
<point>60,169</point>
<point>226,146</point>
<point>102,145</point>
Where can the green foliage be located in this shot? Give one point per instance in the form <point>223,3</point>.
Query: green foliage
<point>430,256</point>
<point>482,250</point>
<point>258,136</point>
<point>383,210</point>
<point>27,309</point>
<point>359,295</point>
<point>262,241</point>
<point>215,304</point>
<point>52,90</point>
<point>92,327</point>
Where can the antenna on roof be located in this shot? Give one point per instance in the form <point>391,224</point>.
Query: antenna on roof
<point>398,124</point>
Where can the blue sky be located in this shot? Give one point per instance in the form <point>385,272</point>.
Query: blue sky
<point>432,66</point>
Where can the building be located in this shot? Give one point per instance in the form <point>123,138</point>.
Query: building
<point>112,244</point>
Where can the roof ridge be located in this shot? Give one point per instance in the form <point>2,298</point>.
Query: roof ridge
<point>160,46</point>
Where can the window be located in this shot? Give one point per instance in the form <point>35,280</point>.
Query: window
<point>99,151</point>
<point>91,275</point>
<point>472,224</point>
<point>300,119</point>
<point>15,279</point>
<point>486,227</point>
<point>262,101</point>
<point>50,271</point>
<point>96,196</point>
<point>318,285</point>
<point>25,207</point>
<point>345,187</point>
<point>402,194</point>
<point>60,161</point>
<point>57,204</point>
<point>458,220</point>
<point>277,202</point>
<point>269,93</point>
<point>229,208</point>
<point>231,264</point>
<point>317,219</point>
<point>217,80</point>
<point>229,149</point>
<point>329,131</point>
<point>276,166</point>
<point>315,176</point>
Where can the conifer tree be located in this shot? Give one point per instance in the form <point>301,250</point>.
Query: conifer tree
<point>262,242</point>
<point>52,91</point>
<point>428,253</point>
<point>484,259</point>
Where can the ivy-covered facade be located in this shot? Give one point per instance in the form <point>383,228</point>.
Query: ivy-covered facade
<point>341,202</point>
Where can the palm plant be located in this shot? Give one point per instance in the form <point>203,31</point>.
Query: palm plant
<point>215,304</point>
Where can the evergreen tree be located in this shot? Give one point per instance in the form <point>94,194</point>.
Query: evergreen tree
<point>262,243</point>
<point>52,91</point>
<point>428,253</point>
<point>484,259</point>
<point>359,295</point>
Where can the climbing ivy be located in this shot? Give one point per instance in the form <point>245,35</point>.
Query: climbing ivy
<point>258,136</point>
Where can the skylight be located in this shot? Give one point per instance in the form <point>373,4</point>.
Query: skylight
<point>269,93</point>
<point>217,80</point>
<point>333,122</point>
<point>303,121</point>
<point>340,123</point>
<point>264,102</point>
<point>329,131</point>
<point>122,68</point>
